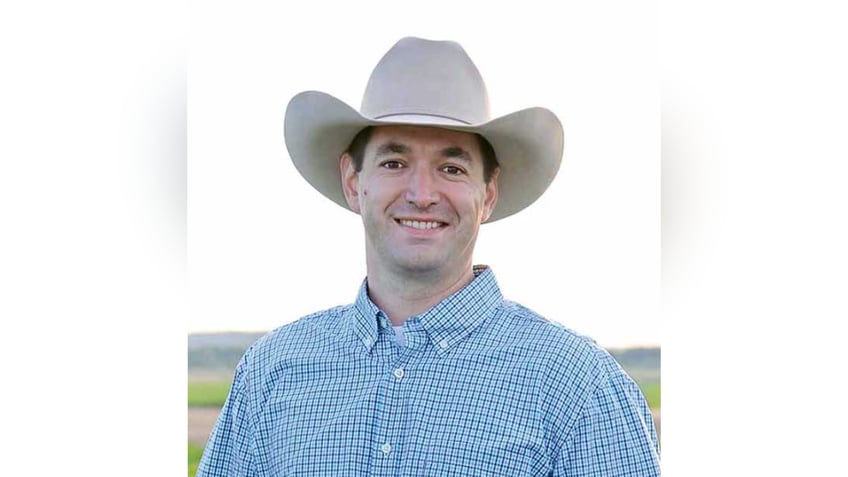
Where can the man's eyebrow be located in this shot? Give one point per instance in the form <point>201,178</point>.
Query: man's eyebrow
<point>391,148</point>
<point>457,153</point>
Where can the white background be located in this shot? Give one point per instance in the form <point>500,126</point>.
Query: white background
<point>93,282</point>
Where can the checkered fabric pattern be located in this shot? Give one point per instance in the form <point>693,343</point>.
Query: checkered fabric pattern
<point>483,386</point>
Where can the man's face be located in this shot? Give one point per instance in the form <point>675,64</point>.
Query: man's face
<point>422,198</point>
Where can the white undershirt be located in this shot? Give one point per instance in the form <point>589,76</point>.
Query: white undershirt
<point>399,336</point>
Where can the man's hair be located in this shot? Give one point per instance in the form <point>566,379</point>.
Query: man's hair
<point>357,152</point>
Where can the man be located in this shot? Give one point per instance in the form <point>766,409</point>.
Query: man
<point>430,371</point>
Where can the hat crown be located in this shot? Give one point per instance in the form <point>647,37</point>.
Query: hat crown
<point>425,77</point>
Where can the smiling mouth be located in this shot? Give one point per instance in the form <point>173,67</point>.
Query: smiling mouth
<point>421,224</point>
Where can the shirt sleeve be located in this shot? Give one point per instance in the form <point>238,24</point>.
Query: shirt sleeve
<point>613,435</point>
<point>230,449</point>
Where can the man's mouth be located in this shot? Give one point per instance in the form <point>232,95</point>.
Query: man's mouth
<point>421,224</point>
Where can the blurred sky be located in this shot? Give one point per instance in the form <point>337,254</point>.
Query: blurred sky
<point>264,248</point>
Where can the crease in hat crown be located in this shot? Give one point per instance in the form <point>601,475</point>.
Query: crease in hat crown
<point>418,77</point>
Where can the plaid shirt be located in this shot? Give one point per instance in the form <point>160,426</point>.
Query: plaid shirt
<point>483,387</point>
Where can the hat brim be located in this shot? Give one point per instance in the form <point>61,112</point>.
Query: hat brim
<point>528,145</point>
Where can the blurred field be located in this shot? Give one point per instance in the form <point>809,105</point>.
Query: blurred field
<point>652,394</point>
<point>207,393</point>
<point>194,454</point>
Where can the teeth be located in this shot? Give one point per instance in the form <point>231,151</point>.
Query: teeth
<point>420,225</point>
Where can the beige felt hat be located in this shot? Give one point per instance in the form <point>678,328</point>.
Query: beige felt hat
<point>430,83</point>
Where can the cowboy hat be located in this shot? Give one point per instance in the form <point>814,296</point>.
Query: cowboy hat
<point>427,83</point>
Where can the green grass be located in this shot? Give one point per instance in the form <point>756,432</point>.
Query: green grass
<point>652,394</point>
<point>194,453</point>
<point>207,393</point>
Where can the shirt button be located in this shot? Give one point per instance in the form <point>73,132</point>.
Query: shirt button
<point>399,373</point>
<point>443,344</point>
<point>386,448</point>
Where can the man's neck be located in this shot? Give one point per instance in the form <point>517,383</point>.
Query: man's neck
<point>404,296</point>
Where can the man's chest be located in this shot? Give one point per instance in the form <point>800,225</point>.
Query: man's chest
<point>475,414</point>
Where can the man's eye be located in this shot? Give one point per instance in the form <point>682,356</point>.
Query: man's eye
<point>453,170</point>
<point>391,165</point>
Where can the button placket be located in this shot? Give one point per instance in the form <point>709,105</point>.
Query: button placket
<point>391,421</point>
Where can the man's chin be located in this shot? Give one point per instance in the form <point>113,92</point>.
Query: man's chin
<point>421,267</point>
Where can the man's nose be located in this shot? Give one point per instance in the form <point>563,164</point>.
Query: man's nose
<point>421,189</point>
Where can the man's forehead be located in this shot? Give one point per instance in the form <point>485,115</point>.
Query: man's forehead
<point>410,138</point>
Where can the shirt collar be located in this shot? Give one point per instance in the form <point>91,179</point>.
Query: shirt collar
<point>367,318</point>
<point>447,323</point>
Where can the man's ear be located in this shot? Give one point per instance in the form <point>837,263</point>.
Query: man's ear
<point>491,195</point>
<point>350,181</point>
